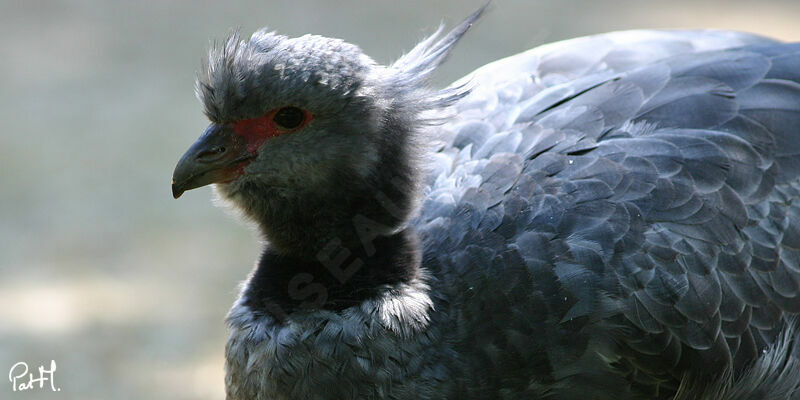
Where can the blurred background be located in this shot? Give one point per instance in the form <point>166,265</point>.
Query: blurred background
<point>100,269</point>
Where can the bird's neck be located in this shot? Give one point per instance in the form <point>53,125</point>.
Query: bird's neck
<point>306,225</point>
<point>341,240</point>
<point>336,278</point>
<point>336,246</point>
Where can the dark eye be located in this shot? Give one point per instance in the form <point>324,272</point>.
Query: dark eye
<point>289,117</point>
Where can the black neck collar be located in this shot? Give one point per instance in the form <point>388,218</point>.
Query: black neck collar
<point>337,277</point>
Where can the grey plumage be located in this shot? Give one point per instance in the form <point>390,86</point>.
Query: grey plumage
<point>611,216</point>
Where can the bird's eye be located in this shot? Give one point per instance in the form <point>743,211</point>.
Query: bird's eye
<point>289,117</point>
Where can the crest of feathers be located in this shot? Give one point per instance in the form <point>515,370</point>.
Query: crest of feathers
<point>240,73</point>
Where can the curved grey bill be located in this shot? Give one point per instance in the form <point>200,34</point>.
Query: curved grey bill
<point>217,156</point>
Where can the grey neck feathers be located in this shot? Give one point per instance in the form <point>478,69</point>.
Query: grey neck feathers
<point>350,208</point>
<point>340,244</point>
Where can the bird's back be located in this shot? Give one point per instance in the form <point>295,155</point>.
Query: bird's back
<point>616,213</point>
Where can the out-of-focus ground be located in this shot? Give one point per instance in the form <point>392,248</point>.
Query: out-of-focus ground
<point>100,269</point>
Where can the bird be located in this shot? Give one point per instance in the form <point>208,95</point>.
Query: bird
<point>607,217</point>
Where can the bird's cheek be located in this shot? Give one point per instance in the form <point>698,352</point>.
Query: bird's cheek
<point>233,173</point>
<point>256,131</point>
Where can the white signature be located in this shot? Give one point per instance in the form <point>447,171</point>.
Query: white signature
<point>19,371</point>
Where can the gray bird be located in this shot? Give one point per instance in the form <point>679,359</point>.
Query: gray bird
<point>610,217</point>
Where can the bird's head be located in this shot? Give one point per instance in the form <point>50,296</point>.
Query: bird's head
<point>311,126</point>
<point>285,112</point>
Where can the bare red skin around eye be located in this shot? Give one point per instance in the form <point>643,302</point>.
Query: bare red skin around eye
<point>256,131</point>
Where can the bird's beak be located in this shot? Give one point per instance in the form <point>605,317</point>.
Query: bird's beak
<point>217,156</point>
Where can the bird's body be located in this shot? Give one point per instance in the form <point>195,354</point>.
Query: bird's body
<point>607,217</point>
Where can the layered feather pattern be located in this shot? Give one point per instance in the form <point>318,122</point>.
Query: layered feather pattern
<point>622,203</point>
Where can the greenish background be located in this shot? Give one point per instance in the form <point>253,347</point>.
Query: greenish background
<point>100,269</point>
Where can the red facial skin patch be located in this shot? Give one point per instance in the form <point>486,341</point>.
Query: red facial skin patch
<point>256,131</point>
